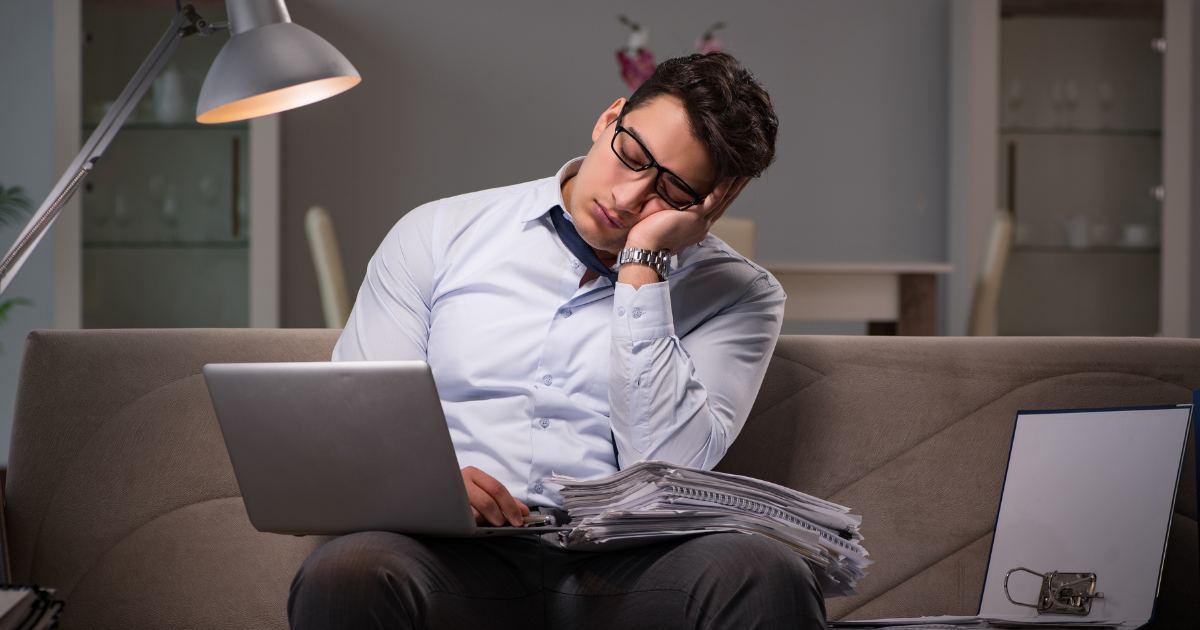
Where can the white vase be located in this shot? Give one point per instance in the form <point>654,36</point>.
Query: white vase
<point>170,105</point>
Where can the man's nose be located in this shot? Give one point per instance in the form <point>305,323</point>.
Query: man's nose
<point>632,194</point>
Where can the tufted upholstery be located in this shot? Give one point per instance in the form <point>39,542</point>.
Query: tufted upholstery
<point>120,493</point>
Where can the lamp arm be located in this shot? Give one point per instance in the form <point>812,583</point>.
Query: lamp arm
<point>100,139</point>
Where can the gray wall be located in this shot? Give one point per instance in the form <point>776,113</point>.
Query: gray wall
<point>1194,323</point>
<point>463,95</point>
<point>26,159</point>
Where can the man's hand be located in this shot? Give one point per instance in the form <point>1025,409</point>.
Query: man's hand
<point>490,500</point>
<point>677,230</point>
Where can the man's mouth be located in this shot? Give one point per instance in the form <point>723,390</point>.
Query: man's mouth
<point>607,218</point>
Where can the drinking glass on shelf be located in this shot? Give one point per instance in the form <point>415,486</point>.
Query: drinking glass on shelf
<point>99,215</point>
<point>1070,101</point>
<point>121,215</point>
<point>1012,99</point>
<point>1056,102</point>
<point>1024,234</point>
<point>1104,96</point>
<point>170,213</point>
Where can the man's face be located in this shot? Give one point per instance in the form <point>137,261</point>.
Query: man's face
<point>606,199</point>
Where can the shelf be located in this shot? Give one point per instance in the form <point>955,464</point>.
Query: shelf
<point>191,126</point>
<point>1099,249</point>
<point>166,244</point>
<point>1070,131</point>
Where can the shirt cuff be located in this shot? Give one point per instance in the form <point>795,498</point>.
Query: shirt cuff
<point>642,314</point>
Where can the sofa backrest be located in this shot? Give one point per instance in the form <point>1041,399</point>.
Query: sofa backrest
<point>913,434</point>
<point>121,495</point>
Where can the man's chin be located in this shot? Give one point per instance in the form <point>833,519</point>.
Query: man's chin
<point>612,244</point>
<point>600,237</point>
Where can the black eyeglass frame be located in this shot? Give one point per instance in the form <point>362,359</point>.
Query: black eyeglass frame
<point>697,199</point>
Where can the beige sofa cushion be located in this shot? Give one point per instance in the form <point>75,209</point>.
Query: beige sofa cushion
<point>121,494</point>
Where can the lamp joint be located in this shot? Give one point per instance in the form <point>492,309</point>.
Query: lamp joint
<point>198,24</point>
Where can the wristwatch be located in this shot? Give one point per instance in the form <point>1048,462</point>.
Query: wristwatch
<point>659,261</point>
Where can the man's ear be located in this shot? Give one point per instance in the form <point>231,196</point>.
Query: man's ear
<point>607,118</point>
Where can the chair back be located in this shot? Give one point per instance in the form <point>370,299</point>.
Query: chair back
<point>327,260</point>
<point>982,322</point>
<point>737,233</point>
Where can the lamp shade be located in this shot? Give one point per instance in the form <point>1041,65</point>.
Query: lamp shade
<point>269,69</point>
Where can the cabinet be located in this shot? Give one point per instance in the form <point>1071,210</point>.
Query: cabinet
<point>1081,166</point>
<point>178,218</point>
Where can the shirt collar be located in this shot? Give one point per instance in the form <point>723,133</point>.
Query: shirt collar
<point>551,195</point>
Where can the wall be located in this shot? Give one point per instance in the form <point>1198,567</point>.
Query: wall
<point>1194,276</point>
<point>26,159</point>
<point>463,95</point>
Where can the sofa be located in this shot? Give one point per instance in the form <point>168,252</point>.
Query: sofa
<point>121,496</point>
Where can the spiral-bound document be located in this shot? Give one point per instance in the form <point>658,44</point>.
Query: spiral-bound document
<point>652,500</point>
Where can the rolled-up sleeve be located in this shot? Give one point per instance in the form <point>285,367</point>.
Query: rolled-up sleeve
<point>391,315</point>
<point>684,400</point>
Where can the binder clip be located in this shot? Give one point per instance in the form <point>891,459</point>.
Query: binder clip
<point>1062,593</point>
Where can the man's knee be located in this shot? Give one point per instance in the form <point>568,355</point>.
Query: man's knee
<point>357,559</point>
<point>378,567</point>
<point>753,581</point>
<point>750,557</point>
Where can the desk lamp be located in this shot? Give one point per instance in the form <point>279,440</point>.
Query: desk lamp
<point>269,65</point>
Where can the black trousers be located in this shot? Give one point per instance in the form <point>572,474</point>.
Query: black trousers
<point>723,580</point>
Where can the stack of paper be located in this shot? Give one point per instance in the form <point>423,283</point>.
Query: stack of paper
<point>28,608</point>
<point>655,499</point>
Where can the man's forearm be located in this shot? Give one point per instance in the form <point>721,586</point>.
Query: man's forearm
<point>682,397</point>
<point>637,275</point>
<point>658,409</point>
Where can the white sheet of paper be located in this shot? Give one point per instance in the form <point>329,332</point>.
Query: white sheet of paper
<point>1087,492</point>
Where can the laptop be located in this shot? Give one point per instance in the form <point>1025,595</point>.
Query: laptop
<point>343,447</point>
<point>1088,495</point>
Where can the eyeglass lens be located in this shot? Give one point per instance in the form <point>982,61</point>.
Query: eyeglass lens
<point>631,153</point>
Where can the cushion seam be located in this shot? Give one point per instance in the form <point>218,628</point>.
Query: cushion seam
<point>969,414</point>
<point>918,572</point>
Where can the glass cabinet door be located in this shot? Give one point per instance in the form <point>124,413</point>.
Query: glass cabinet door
<point>1080,160</point>
<point>165,221</point>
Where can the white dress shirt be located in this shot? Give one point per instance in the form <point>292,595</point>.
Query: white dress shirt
<point>538,375</point>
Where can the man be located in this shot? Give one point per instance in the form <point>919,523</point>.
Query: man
<point>548,362</point>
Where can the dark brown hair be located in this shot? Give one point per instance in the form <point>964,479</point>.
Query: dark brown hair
<point>729,111</point>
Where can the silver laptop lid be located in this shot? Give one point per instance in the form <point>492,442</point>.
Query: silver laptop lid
<point>1088,491</point>
<point>340,447</point>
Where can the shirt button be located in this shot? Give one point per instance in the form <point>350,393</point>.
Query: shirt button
<point>574,264</point>
<point>547,380</point>
<point>637,312</point>
<point>538,488</point>
<point>566,312</point>
<point>620,311</point>
<point>545,422</point>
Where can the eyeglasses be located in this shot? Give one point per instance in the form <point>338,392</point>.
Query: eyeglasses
<point>669,186</point>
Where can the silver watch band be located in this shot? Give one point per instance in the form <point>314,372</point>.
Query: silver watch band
<point>659,261</point>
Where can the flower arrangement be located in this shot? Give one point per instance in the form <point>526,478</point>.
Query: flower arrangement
<point>709,42</point>
<point>636,60</point>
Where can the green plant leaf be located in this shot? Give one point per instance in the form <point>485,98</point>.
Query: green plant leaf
<point>7,305</point>
<point>14,205</point>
